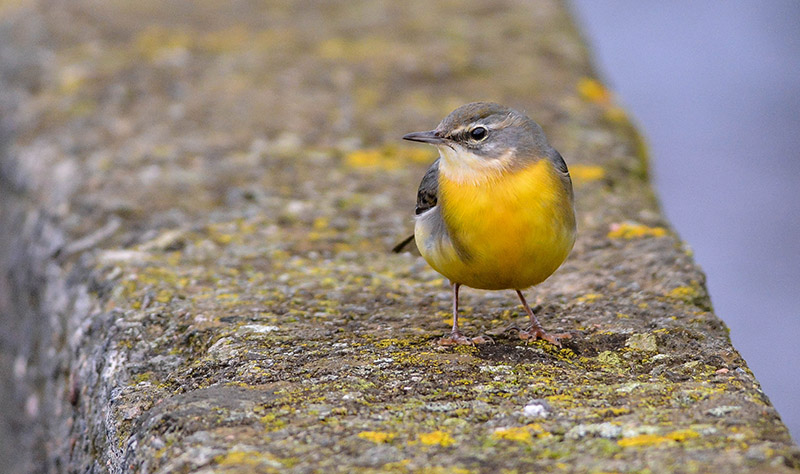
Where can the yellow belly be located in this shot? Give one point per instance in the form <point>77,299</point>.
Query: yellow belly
<point>510,232</point>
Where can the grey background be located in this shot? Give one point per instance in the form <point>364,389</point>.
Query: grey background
<point>715,88</point>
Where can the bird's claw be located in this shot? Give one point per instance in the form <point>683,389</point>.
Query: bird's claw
<point>538,333</point>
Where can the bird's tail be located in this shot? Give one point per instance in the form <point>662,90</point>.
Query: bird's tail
<point>399,247</point>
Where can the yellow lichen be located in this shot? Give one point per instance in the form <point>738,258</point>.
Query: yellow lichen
<point>384,343</point>
<point>164,296</point>
<point>521,434</point>
<point>143,377</point>
<point>643,440</point>
<point>377,437</point>
<point>227,296</point>
<point>683,435</point>
<point>437,437</point>
<point>613,411</point>
<point>593,91</point>
<point>320,223</point>
<point>387,158</point>
<point>589,297</point>
<point>370,159</point>
<point>272,422</point>
<point>651,439</point>
<point>629,230</point>
<point>582,174</point>
<point>419,155</point>
<point>616,114</point>
<point>562,399</point>
<point>518,434</point>
<point>399,466</point>
<point>683,293</point>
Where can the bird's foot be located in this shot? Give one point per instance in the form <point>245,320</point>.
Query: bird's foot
<point>538,333</point>
<point>457,339</point>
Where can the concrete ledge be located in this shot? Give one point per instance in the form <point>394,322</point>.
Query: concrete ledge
<point>197,206</point>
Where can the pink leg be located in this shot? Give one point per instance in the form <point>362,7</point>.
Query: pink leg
<point>536,330</point>
<point>456,338</point>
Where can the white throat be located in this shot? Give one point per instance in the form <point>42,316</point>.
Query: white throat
<point>461,165</point>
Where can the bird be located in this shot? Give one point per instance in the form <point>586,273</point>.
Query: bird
<point>496,210</point>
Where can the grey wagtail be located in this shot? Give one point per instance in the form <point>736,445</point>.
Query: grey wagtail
<point>496,210</point>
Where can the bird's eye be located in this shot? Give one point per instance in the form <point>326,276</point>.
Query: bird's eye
<point>478,133</point>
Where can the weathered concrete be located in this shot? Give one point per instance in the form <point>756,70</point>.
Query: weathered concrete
<point>197,203</point>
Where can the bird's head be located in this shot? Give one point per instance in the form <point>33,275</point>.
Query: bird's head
<point>481,139</point>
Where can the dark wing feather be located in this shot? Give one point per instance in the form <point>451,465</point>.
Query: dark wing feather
<point>561,166</point>
<point>428,192</point>
<point>558,161</point>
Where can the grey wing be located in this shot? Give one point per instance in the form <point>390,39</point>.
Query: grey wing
<point>427,195</point>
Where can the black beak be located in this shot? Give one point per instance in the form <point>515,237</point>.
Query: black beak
<point>424,137</point>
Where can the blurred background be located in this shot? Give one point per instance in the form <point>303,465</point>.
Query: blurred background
<point>715,89</point>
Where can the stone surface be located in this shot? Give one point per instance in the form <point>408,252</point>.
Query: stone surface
<point>198,199</point>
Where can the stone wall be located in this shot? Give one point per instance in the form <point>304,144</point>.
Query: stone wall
<point>198,199</point>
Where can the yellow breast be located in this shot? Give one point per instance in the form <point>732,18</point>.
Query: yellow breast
<point>510,231</point>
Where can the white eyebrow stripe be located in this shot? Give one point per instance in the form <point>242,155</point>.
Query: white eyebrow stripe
<point>458,130</point>
<point>508,120</point>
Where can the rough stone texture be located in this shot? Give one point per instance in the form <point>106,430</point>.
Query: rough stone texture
<point>198,199</point>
